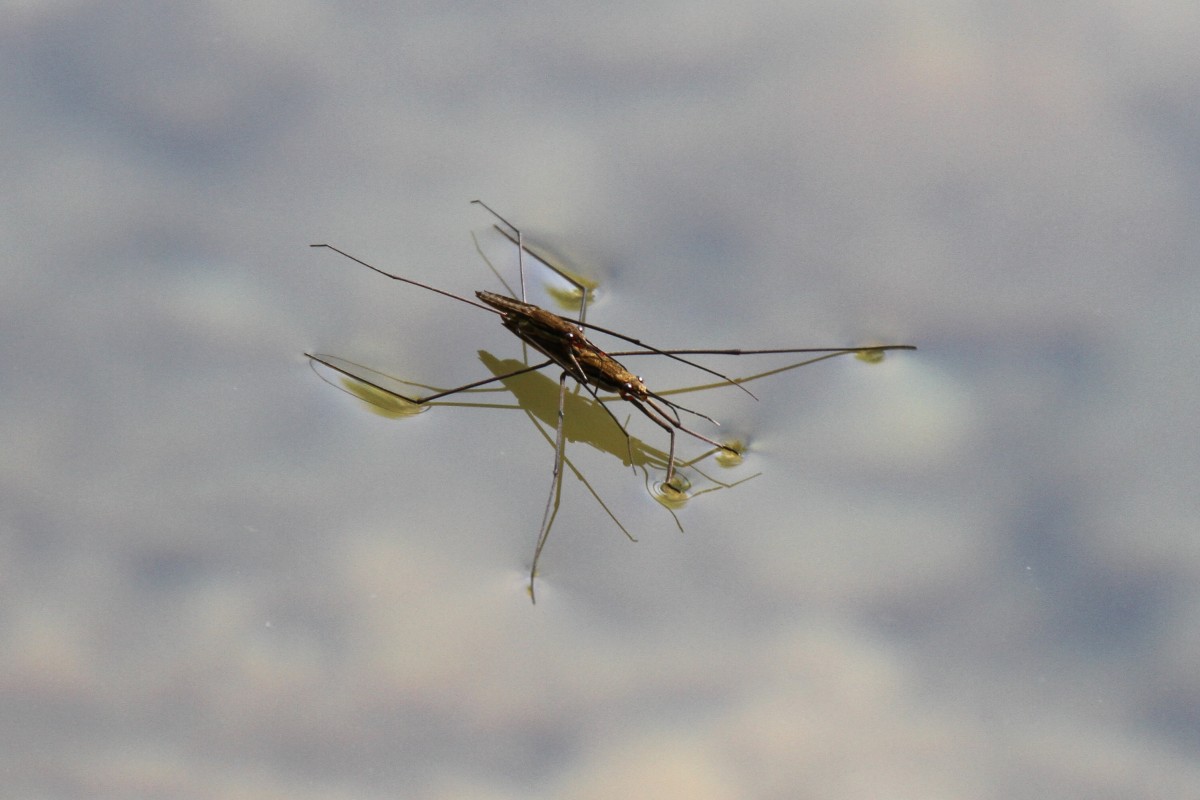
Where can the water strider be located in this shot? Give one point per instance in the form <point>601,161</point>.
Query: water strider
<point>564,343</point>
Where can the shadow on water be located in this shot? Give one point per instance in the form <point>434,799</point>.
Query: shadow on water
<point>585,421</point>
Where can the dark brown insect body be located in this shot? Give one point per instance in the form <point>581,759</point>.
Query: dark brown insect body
<point>565,344</point>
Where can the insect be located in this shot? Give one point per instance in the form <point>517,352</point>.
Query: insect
<point>564,343</point>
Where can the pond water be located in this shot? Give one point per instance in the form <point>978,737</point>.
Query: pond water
<point>964,571</point>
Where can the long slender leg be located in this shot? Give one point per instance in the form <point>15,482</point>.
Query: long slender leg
<point>555,485</point>
<point>409,281</point>
<point>582,287</point>
<point>700,387</point>
<point>737,351</point>
<point>664,422</point>
<point>675,423</point>
<point>418,401</point>
<point>670,424</point>
<point>520,242</point>
<point>670,481</point>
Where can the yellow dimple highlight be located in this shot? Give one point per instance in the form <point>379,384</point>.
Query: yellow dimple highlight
<point>570,298</point>
<point>728,459</point>
<point>385,404</point>
<point>870,356</point>
<point>673,495</point>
